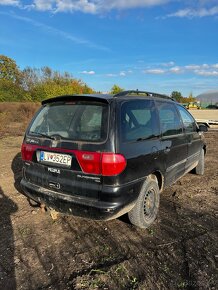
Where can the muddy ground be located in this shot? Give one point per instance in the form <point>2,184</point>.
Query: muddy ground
<point>180,251</point>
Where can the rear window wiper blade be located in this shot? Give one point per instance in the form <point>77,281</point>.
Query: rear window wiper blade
<point>43,135</point>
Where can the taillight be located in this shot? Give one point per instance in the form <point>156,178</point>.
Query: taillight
<point>107,164</point>
<point>90,162</point>
<point>27,151</point>
<point>112,164</point>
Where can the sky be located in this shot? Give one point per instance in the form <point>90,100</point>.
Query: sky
<point>154,45</point>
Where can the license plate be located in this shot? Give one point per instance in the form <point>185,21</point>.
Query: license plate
<point>55,158</point>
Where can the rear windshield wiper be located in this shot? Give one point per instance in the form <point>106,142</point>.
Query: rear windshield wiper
<point>43,135</point>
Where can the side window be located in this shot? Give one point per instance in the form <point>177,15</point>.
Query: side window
<point>187,119</point>
<point>170,122</point>
<point>138,120</point>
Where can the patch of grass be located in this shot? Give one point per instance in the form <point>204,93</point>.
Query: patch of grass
<point>87,282</point>
<point>133,282</point>
<point>24,231</point>
<point>166,269</point>
<point>97,271</point>
<point>120,269</point>
<point>123,272</point>
<point>150,231</point>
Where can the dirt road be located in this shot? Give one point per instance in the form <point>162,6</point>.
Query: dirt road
<point>205,114</point>
<point>180,251</point>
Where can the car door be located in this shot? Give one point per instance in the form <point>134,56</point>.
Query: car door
<point>173,141</point>
<point>193,138</point>
<point>139,138</point>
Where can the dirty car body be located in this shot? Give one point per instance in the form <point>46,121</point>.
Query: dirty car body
<point>89,155</point>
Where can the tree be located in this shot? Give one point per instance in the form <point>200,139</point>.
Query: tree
<point>116,89</point>
<point>30,77</point>
<point>36,84</point>
<point>10,80</point>
<point>190,98</point>
<point>177,96</point>
<point>11,92</point>
<point>9,70</point>
<point>47,72</point>
<point>45,83</point>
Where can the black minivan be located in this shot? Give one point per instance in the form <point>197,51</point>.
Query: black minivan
<point>100,156</point>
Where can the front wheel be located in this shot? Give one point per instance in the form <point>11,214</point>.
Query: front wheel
<point>145,210</point>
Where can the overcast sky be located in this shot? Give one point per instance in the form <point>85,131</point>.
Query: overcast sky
<point>154,45</point>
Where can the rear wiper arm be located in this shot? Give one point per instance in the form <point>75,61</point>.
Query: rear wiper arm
<point>43,135</point>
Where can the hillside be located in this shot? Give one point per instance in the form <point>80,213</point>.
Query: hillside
<point>209,97</point>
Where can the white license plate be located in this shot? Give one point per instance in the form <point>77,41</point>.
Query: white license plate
<point>55,158</point>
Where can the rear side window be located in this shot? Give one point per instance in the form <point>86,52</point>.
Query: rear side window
<point>187,119</point>
<point>170,122</point>
<point>79,121</point>
<point>138,120</point>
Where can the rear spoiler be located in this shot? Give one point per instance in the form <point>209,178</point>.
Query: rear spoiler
<point>70,98</point>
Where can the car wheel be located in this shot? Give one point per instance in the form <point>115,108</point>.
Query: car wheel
<point>199,169</point>
<point>145,210</point>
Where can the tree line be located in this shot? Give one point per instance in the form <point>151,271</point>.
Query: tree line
<point>37,84</point>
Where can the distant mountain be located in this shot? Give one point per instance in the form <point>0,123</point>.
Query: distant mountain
<point>209,97</point>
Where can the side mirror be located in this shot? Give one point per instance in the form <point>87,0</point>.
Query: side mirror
<point>202,128</point>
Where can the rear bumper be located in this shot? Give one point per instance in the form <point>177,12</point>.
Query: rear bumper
<point>79,206</point>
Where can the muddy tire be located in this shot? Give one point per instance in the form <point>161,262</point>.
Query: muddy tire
<point>199,169</point>
<point>145,210</point>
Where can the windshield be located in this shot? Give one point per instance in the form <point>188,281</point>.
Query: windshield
<point>78,121</point>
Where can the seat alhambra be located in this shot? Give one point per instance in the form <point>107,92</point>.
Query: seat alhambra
<point>100,156</point>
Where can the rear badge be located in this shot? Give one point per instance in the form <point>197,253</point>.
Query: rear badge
<point>54,170</point>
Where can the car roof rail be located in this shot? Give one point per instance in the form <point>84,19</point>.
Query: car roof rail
<point>137,92</point>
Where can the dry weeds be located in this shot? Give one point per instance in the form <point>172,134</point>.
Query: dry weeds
<point>14,117</point>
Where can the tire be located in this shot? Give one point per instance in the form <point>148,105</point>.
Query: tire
<point>199,169</point>
<point>146,208</point>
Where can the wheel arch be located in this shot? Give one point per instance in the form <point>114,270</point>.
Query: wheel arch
<point>158,176</point>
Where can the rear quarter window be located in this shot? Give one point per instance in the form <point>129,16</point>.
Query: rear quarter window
<point>138,120</point>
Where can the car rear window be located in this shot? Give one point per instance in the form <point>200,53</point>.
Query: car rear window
<point>79,121</point>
